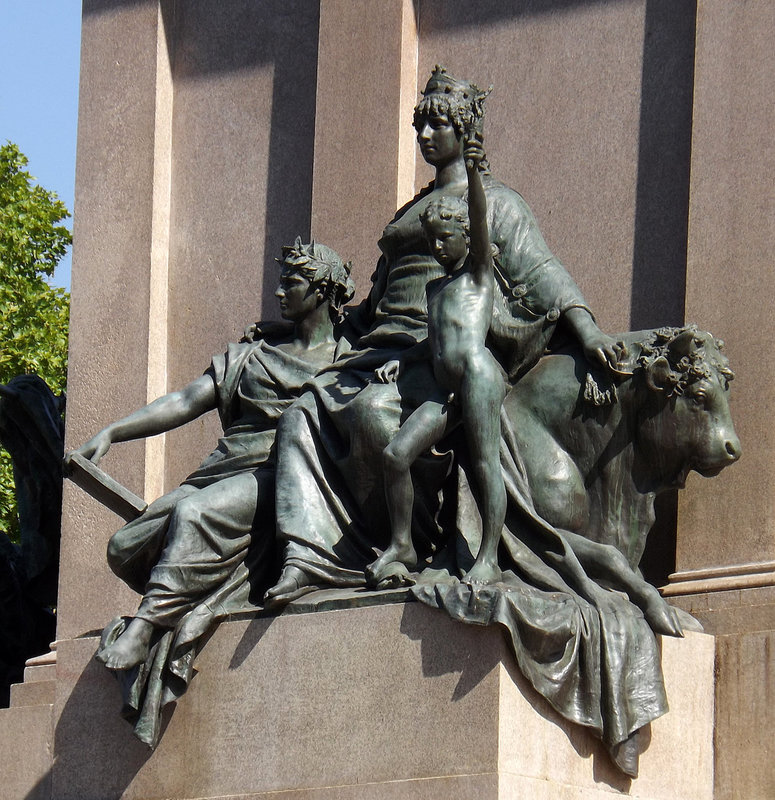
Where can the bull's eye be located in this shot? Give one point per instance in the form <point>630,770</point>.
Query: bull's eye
<point>698,398</point>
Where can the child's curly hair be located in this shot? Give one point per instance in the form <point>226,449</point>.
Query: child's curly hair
<point>447,208</point>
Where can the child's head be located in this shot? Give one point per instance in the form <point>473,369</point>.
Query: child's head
<point>446,228</point>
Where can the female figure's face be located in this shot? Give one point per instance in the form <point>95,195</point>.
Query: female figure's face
<point>439,142</point>
<point>298,298</point>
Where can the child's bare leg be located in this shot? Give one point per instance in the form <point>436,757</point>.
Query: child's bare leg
<point>426,426</point>
<point>481,395</point>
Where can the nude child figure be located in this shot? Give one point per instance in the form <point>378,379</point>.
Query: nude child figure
<point>471,383</point>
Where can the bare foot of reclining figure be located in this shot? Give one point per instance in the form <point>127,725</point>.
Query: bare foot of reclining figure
<point>130,649</point>
<point>391,569</point>
<point>293,583</point>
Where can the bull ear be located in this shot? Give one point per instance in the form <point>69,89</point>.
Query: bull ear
<point>684,344</point>
<point>659,376</point>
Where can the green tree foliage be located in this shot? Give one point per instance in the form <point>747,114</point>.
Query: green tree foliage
<point>34,316</point>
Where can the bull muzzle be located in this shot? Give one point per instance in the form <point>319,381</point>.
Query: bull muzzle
<point>729,452</point>
<point>733,448</point>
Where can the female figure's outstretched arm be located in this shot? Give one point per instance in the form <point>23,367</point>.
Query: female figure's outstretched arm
<point>479,247</point>
<point>168,412</point>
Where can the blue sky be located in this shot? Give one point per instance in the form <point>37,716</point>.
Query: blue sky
<point>39,55</point>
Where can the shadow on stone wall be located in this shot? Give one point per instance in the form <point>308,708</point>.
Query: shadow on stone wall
<point>244,35</point>
<point>664,155</point>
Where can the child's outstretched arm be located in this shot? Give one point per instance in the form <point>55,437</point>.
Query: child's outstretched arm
<point>479,248</point>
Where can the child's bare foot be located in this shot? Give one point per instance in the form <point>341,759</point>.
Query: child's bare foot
<point>130,649</point>
<point>293,583</point>
<point>391,569</point>
<point>483,571</point>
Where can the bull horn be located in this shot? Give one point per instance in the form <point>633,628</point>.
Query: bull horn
<point>659,376</point>
<point>684,344</point>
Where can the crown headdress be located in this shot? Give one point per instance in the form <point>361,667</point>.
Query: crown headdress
<point>463,93</point>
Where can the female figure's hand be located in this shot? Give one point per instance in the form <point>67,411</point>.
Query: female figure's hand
<point>387,373</point>
<point>473,151</point>
<point>95,448</point>
<point>600,348</point>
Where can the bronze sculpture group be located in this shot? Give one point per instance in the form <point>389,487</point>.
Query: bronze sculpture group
<point>468,421</point>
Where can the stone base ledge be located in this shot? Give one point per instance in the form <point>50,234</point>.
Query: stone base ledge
<point>731,612</point>
<point>720,579</point>
<point>387,702</point>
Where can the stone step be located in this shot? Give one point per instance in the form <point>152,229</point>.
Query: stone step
<point>37,693</point>
<point>26,741</point>
<point>45,672</point>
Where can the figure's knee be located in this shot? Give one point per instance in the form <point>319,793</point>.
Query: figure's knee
<point>116,551</point>
<point>374,417</point>
<point>394,460</point>
<point>188,513</point>
<point>128,558</point>
<point>482,366</point>
<point>292,421</point>
<point>560,496</point>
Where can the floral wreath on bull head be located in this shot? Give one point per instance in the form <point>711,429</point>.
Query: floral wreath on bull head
<point>673,361</point>
<point>677,360</point>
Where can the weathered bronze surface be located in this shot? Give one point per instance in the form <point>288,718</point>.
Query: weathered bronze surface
<point>533,513</point>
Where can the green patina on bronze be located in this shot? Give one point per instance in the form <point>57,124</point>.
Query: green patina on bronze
<point>591,429</point>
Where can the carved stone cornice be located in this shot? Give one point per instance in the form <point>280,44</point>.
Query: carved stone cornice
<point>719,579</point>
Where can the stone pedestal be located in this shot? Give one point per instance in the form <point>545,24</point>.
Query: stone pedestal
<point>393,701</point>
